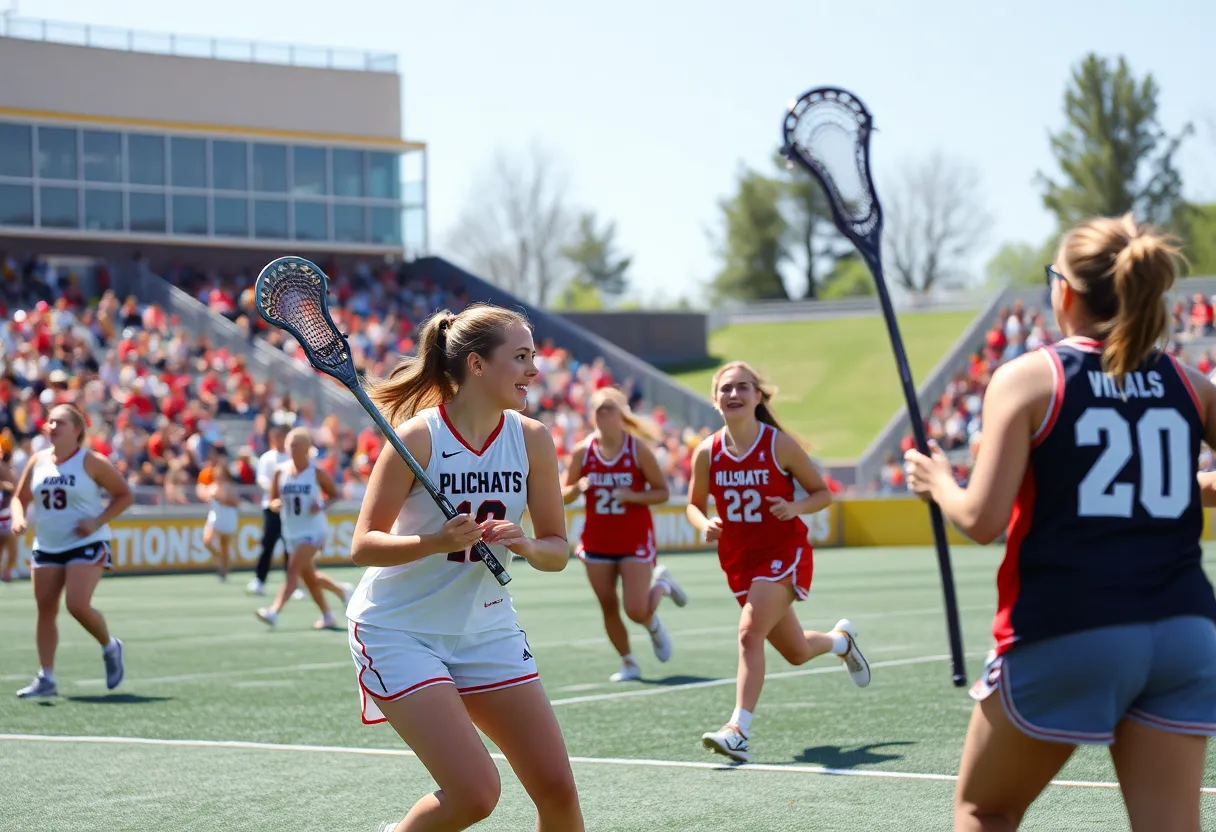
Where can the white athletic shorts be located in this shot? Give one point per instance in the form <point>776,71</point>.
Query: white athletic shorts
<point>224,521</point>
<point>392,664</point>
<point>291,543</point>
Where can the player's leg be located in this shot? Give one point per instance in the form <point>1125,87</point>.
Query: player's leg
<point>520,721</point>
<point>48,586</point>
<point>8,556</point>
<point>80,581</point>
<point>642,599</point>
<point>435,724</point>
<point>299,558</point>
<point>798,646</point>
<point>223,554</point>
<point>602,577</point>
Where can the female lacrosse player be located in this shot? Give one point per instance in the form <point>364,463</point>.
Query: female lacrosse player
<point>300,491</point>
<point>751,468</point>
<point>76,493</point>
<point>8,540</point>
<point>433,635</point>
<point>620,480</point>
<point>1104,626</point>
<point>220,528</point>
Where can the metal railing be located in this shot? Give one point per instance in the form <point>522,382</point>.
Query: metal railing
<point>776,311</point>
<point>193,46</point>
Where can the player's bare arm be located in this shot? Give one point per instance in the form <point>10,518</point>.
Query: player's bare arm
<point>657,491</point>
<point>276,500</point>
<point>698,494</point>
<point>373,543</point>
<point>1206,393</point>
<point>548,550</point>
<point>574,486</point>
<point>23,495</point>
<point>115,484</point>
<point>328,488</point>
<point>794,459</point>
<point>1014,406</point>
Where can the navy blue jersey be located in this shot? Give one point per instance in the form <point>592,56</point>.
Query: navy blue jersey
<point>1105,529</point>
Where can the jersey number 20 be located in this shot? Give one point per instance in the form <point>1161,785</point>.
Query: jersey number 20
<point>488,509</point>
<point>1162,441</point>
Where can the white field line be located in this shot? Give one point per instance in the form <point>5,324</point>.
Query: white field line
<point>609,761</point>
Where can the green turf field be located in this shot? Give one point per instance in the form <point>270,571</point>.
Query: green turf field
<point>260,730</point>
<point>837,378</point>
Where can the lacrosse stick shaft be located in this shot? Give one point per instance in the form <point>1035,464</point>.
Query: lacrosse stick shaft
<point>445,505</point>
<point>922,444</point>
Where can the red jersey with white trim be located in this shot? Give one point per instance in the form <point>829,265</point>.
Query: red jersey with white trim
<point>741,486</point>
<point>610,527</point>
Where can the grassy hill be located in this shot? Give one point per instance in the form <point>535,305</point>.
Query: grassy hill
<point>837,378</point>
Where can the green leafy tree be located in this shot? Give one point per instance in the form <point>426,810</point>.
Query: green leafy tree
<point>754,245</point>
<point>1020,263</point>
<point>1113,153</point>
<point>811,230</point>
<point>849,278</point>
<point>593,255</point>
<point>1199,229</point>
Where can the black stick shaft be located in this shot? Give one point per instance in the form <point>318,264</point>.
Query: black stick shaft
<point>922,444</point>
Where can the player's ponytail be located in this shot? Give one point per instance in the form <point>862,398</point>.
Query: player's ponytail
<point>639,427</point>
<point>1123,271</point>
<point>431,377</point>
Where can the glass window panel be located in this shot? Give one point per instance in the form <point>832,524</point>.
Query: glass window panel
<point>386,226</point>
<point>57,153</point>
<point>59,207</point>
<point>103,210</point>
<point>146,160</point>
<point>383,181</point>
<point>348,172</point>
<point>102,156</point>
<point>16,205</point>
<point>189,214</point>
<point>270,169</point>
<point>270,219</point>
<point>16,151</point>
<point>312,223</point>
<point>229,166</point>
<point>308,171</point>
<point>189,162</point>
<point>415,231</point>
<point>231,217</point>
<point>147,212</point>
<point>348,224</point>
<point>413,194</point>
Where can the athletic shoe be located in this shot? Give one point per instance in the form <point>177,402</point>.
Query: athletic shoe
<point>728,740</point>
<point>660,640</point>
<point>268,615</point>
<point>326,622</point>
<point>854,662</point>
<point>112,656</point>
<point>662,575</point>
<point>298,595</point>
<point>255,587</point>
<point>41,686</point>
<point>629,672</point>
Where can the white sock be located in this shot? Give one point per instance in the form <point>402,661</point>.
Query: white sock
<point>653,626</point>
<point>743,719</point>
<point>629,659</point>
<point>111,646</point>
<point>840,642</point>
<point>46,673</point>
<point>663,585</point>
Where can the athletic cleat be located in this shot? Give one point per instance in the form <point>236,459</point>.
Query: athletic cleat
<point>268,615</point>
<point>660,640</point>
<point>629,672</point>
<point>255,587</point>
<point>729,741</point>
<point>298,595</point>
<point>326,622</point>
<point>115,669</point>
<point>662,575</point>
<point>41,686</point>
<point>854,661</point>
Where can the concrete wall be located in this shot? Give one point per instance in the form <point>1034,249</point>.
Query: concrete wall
<point>194,93</point>
<point>660,338</point>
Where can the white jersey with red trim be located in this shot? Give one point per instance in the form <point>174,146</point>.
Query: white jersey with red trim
<point>65,494</point>
<point>449,594</point>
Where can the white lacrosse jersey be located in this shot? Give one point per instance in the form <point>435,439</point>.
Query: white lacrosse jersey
<point>64,494</point>
<point>299,493</point>
<point>447,594</point>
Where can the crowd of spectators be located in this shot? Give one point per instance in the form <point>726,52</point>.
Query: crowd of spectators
<point>162,403</point>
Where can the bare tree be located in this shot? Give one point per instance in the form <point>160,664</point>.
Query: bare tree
<point>516,223</point>
<point>935,219</point>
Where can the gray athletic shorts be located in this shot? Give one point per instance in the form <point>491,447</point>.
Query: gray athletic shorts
<point>1076,688</point>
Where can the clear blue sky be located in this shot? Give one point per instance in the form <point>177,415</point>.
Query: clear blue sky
<point>655,139</point>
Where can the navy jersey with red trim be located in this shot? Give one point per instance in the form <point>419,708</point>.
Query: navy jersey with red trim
<point>1105,529</point>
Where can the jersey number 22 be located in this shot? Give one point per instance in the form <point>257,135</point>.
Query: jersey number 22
<point>1162,442</point>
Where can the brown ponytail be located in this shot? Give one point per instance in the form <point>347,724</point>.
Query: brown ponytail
<point>432,377</point>
<point>1122,271</point>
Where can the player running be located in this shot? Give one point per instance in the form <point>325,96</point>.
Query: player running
<point>1104,626</point>
<point>751,468</point>
<point>219,531</point>
<point>300,491</point>
<point>620,479</point>
<point>434,637</point>
<point>76,493</point>
<point>8,540</point>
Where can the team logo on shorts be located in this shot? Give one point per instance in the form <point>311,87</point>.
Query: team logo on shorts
<point>527,655</point>
<point>776,566</point>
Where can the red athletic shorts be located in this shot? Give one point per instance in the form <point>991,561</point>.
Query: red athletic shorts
<point>795,567</point>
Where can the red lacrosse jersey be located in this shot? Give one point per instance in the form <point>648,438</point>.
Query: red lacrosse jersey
<point>610,527</point>
<point>752,537</point>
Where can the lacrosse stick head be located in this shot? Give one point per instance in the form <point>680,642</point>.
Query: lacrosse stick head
<point>293,294</point>
<point>827,131</point>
